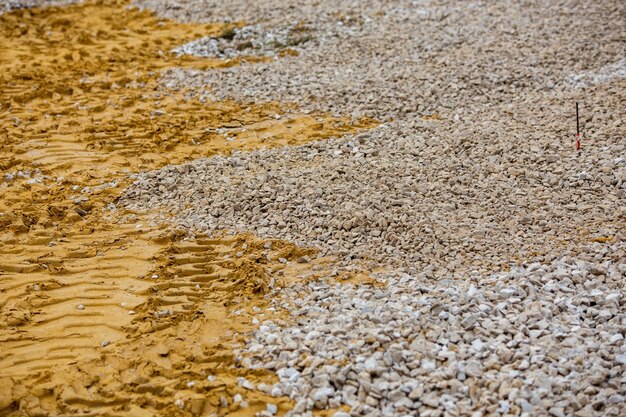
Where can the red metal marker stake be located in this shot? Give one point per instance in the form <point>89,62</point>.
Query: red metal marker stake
<point>577,130</point>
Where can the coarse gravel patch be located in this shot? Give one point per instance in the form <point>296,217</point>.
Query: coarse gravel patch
<point>537,340</point>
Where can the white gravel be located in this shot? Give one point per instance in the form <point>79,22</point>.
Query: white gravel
<point>539,340</point>
<point>251,40</point>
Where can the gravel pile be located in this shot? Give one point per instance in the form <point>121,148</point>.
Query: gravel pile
<point>474,167</point>
<point>539,340</point>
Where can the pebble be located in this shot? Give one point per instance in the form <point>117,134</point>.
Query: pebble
<point>244,383</point>
<point>272,408</point>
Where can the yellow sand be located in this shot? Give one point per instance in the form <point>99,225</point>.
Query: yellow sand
<point>81,107</point>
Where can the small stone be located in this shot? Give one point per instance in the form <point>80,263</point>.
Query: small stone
<point>80,307</point>
<point>477,345</point>
<point>244,383</point>
<point>557,412</point>
<point>525,405</point>
<point>429,364</point>
<point>473,369</point>
<point>276,391</point>
<point>322,394</point>
<point>416,393</point>
<point>613,297</point>
<point>469,321</point>
<point>606,179</point>
<point>300,407</point>
<point>371,363</point>
<point>304,259</point>
<point>430,400</point>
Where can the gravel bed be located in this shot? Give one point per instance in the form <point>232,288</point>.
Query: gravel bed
<point>251,40</point>
<point>472,172</point>
<point>405,59</point>
<point>538,340</point>
<point>394,204</point>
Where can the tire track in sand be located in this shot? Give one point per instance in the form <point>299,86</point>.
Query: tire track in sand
<point>149,284</point>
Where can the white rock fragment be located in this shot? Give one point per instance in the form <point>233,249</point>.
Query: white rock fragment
<point>244,383</point>
<point>272,408</point>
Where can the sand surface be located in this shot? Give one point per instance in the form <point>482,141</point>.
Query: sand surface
<point>101,312</point>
